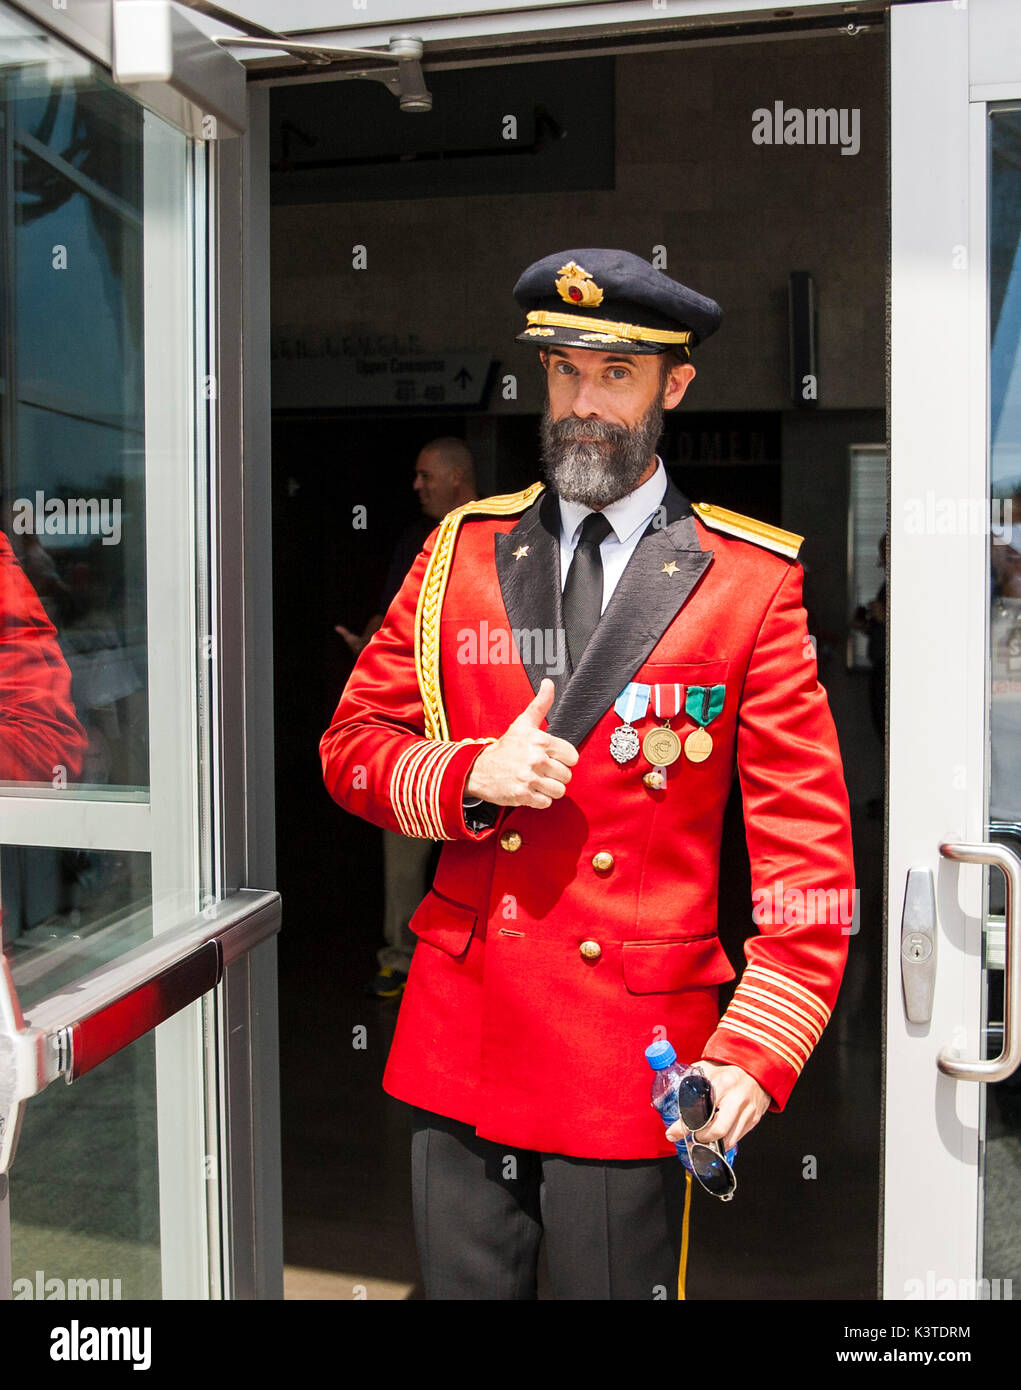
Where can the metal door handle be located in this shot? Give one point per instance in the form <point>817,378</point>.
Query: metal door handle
<point>89,1020</point>
<point>995,1068</point>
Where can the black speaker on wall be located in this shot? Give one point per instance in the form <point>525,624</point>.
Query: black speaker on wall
<point>801,333</point>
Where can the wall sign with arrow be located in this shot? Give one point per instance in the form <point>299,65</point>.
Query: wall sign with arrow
<point>304,380</point>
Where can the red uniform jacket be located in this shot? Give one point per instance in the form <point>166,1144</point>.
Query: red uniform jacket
<point>557,944</point>
<point>39,731</point>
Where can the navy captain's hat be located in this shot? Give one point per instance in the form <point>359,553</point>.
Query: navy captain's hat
<point>610,300</point>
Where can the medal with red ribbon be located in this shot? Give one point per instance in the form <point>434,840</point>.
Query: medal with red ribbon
<point>661,745</point>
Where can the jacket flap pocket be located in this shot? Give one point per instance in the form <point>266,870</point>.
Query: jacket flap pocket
<point>653,967</point>
<point>444,923</point>
<point>688,672</point>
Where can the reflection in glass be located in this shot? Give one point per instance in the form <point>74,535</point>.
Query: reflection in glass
<point>65,912</point>
<point>72,442</point>
<point>41,739</point>
<point>1002,1101</point>
<point>84,1188</point>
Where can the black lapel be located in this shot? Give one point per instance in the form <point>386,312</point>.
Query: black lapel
<point>530,584</point>
<point>645,602</point>
<point>666,565</point>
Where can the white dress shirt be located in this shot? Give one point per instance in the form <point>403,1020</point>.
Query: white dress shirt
<point>629,516</point>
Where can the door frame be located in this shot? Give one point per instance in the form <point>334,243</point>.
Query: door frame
<point>948,62</point>
<point>233,1095</point>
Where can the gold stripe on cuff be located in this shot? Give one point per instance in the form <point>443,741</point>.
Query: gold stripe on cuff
<point>812,1029</point>
<point>771,1024</point>
<point>770,1044</point>
<point>773,976</point>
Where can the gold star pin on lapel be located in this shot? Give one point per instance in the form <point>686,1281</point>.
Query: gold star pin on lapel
<point>521,550</point>
<point>671,568</point>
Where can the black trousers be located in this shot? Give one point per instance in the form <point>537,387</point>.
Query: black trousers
<point>614,1229</point>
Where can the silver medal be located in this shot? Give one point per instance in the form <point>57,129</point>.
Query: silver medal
<point>624,743</point>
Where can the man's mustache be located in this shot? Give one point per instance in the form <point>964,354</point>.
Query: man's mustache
<point>572,429</point>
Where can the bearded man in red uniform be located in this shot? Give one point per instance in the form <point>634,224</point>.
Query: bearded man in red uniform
<point>562,692</point>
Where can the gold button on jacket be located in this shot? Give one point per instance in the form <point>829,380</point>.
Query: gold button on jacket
<point>510,840</point>
<point>602,861</point>
<point>591,950</point>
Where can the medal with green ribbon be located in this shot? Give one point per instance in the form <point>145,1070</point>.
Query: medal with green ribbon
<point>703,703</point>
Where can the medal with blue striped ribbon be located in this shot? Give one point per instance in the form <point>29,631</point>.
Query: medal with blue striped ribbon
<point>630,704</point>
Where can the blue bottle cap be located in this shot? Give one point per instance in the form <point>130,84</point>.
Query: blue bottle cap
<point>659,1055</point>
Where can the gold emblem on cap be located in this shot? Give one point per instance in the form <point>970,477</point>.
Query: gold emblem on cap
<point>576,286</point>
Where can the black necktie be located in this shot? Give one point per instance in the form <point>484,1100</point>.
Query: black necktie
<point>583,592</point>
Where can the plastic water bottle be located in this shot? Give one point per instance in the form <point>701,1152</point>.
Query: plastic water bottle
<point>668,1073</point>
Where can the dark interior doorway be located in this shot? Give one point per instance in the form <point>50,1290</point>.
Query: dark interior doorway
<point>806,1225</point>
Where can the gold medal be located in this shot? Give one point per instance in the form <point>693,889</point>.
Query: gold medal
<point>661,746</point>
<point>698,745</point>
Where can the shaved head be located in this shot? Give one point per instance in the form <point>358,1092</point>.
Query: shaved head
<point>451,453</point>
<point>444,476</point>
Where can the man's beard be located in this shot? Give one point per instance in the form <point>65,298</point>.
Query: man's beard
<point>595,463</point>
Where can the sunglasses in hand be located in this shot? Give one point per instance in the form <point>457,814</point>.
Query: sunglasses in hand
<point>696,1106</point>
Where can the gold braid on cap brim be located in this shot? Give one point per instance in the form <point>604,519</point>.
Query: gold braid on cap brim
<point>430,600</point>
<point>620,332</point>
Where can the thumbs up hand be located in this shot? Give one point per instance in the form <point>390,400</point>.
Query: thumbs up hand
<point>526,766</point>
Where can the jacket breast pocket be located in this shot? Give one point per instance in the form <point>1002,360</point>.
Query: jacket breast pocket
<point>685,672</point>
<point>443,923</point>
<point>660,967</point>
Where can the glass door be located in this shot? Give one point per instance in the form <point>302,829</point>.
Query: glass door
<point>1001,975</point>
<point>118,917</point>
<point>953,1089</point>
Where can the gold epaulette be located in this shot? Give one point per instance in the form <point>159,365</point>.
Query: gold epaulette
<point>748,529</point>
<point>430,599</point>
